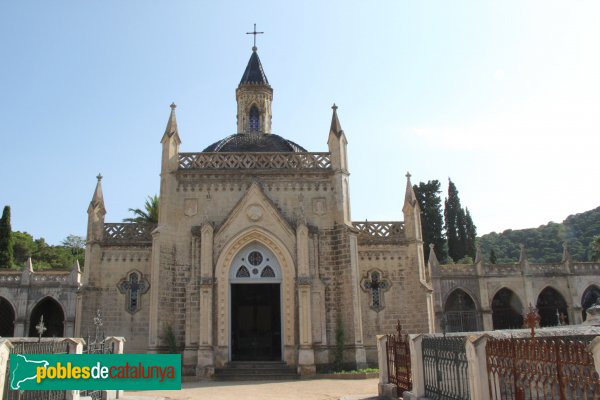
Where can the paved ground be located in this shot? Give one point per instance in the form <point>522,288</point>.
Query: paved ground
<point>317,389</point>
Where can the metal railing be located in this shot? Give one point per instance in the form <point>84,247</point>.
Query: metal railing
<point>445,368</point>
<point>541,368</point>
<point>28,347</point>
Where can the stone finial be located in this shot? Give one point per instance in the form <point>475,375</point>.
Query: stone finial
<point>522,254</point>
<point>566,257</point>
<point>336,127</point>
<point>478,255</point>
<point>171,128</point>
<point>97,202</point>
<point>76,268</point>
<point>433,261</point>
<point>29,266</point>
<point>409,196</point>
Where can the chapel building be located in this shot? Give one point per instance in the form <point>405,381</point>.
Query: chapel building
<point>255,256</point>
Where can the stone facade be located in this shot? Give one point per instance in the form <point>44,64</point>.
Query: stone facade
<point>214,205</point>
<point>560,291</point>
<point>27,294</point>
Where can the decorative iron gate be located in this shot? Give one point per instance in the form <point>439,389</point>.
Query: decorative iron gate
<point>445,368</point>
<point>26,347</point>
<point>398,360</point>
<point>541,368</point>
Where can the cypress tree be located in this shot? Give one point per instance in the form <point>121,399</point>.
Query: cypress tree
<point>451,218</point>
<point>432,222</point>
<point>6,239</point>
<point>471,231</point>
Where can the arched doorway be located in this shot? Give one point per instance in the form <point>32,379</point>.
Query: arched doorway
<point>255,279</point>
<point>460,312</point>
<point>552,307</point>
<point>7,318</point>
<point>54,318</point>
<point>507,310</point>
<point>589,298</point>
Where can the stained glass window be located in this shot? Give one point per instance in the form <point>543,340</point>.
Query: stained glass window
<point>254,119</point>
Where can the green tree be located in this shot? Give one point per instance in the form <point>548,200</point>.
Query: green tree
<point>471,236</point>
<point>454,221</point>
<point>432,222</point>
<point>595,249</point>
<point>76,245</point>
<point>147,216</point>
<point>6,240</point>
<point>23,246</point>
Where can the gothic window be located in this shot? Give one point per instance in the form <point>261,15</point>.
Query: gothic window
<point>242,272</point>
<point>267,272</point>
<point>133,286</point>
<point>375,285</point>
<point>255,263</point>
<point>254,119</point>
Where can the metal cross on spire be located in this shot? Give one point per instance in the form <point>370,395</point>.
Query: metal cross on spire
<point>254,33</point>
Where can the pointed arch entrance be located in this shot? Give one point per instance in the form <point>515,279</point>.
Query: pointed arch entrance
<point>7,318</point>
<point>551,305</point>
<point>255,280</point>
<point>507,310</point>
<point>589,298</point>
<point>54,318</point>
<point>460,312</point>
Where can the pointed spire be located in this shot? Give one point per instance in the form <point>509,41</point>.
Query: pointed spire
<point>254,73</point>
<point>433,261</point>
<point>522,254</point>
<point>409,196</point>
<point>172,123</point>
<point>336,127</point>
<point>566,255</point>
<point>98,197</point>
<point>29,265</point>
<point>478,255</point>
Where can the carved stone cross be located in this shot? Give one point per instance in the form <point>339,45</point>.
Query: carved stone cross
<point>375,285</point>
<point>133,287</point>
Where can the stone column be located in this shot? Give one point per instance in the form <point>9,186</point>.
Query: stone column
<point>306,355</point>
<point>205,341</point>
<point>386,389</point>
<point>477,367</point>
<point>153,334</point>
<point>5,348</point>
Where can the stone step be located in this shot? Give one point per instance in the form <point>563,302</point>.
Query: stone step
<point>256,370</point>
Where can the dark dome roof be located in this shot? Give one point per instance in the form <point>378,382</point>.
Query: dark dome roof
<point>254,142</point>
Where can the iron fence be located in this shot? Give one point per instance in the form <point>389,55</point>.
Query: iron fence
<point>445,368</point>
<point>96,345</point>
<point>26,347</point>
<point>541,368</point>
<point>398,360</point>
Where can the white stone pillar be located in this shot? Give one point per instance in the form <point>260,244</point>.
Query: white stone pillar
<point>5,348</point>
<point>594,347</point>
<point>477,367</point>
<point>117,345</point>
<point>416,368</point>
<point>306,355</point>
<point>75,347</point>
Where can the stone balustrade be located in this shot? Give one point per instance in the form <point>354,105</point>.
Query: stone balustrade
<point>237,161</point>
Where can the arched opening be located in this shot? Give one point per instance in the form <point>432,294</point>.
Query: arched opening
<point>552,308</point>
<point>7,318</point>
<point>507,310</point>
<point>589,298</point>
<point>254,119</point>
<point>460,312</point>
<point>54,318</point>
<point>255,278</point>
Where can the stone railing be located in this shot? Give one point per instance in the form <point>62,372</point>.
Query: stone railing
<point>457,269</point>
<point>502,269</point>
<point>125,233</point>
<point>380,231</point>
<point>228,161</point>
<point>585,268</point>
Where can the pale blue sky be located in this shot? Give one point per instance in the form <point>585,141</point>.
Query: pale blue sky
<point>503,97</point>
